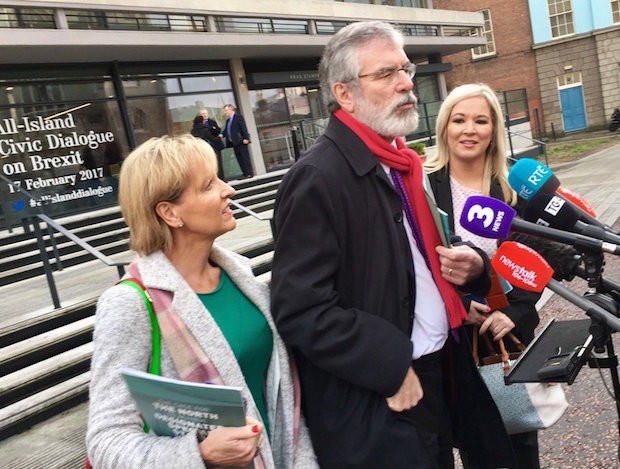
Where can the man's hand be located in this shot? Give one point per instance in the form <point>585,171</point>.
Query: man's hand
<point>245,141</point>
<point>460,264</point>
<point>409,394</point>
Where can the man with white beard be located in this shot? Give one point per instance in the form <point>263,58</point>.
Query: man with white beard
<point>362,290</point>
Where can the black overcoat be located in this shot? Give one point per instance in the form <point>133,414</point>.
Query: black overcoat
<point>343,295</point>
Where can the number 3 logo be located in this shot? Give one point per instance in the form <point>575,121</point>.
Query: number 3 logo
<point>486,214</point>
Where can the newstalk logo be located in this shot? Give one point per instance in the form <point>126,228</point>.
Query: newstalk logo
<point>521,266</point>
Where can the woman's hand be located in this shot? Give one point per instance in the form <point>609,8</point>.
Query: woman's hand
<point>232,446</point>
<point>498,323</point>
<point>478,313</point>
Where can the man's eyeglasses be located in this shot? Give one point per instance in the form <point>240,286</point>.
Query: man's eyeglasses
<point>389,74</point>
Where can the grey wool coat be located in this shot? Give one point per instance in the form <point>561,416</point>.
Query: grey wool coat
<point>122,338</point>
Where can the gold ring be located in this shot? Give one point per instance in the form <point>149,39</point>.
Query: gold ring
<point>450,272</point>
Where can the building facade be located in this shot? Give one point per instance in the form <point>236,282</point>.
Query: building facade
<point>506,62</point>
<point>577,47</point>
<point>83,82</point>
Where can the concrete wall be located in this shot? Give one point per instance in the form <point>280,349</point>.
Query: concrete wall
<point>608,51</point>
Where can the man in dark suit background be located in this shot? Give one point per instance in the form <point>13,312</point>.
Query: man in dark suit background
<point>237,136</point>
<point>210,131</point>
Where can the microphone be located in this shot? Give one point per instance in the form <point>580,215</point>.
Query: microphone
<point>563,259</point>
<point>576,199</point>
<point>555,211</point>
<point>529,177</point>
<point>492,218</point>
<point>524,268</point>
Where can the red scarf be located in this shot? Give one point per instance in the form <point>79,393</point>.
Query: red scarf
<point>408,163</point>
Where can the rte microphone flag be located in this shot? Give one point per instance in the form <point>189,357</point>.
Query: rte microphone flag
<point>527,177</point>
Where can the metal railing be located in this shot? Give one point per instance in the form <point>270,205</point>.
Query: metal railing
<point>36,18</point>
<point>100,19</point>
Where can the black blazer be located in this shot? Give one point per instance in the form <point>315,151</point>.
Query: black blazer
<point>238,131</point>
<point>203,131</point>
<point>522,307</point>
<point>343,293</point>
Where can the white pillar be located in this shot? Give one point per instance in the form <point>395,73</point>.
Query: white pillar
<point>245,108</point>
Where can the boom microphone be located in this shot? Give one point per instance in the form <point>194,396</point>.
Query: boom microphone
<point>529,177</point>
<point>492,218</point>
<point>555,211</point>
<point>524,268</point>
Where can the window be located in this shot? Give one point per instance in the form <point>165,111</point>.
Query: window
<point>487,32</point>
<point>39,18</point>
<point>569,79</point>
<point>561,17</point>
<point>615,11</point>
<point>405,3</point>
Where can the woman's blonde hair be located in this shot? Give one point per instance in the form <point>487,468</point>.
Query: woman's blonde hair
<point>158,170</point>
<point>495,162</point>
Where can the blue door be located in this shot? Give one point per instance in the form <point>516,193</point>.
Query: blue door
<point>573,108</point>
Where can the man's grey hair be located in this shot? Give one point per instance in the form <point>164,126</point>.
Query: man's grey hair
<point>340,63</point>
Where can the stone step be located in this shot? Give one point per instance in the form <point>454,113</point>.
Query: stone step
<point>41,375</point>
<point>42,405</point>
<point>40,347</point>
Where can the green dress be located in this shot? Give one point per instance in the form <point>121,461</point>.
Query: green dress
<point>247,333</point>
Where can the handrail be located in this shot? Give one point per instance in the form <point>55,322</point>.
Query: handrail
<point>248,211</point>
<point>84,245</point>
<point>540,143</point>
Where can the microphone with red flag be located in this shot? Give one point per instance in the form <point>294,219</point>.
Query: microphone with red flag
<point>576,199</point>
<point>524,268</point>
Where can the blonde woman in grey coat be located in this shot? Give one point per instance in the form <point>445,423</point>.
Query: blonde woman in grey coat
<point>175,207</point>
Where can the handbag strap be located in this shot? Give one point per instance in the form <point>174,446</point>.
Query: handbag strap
<point>502,347</point>
<point>155,366</point>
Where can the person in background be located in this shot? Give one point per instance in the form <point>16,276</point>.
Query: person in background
<point>176,207</point>
<point>236,135</point>
<point>471,160</point>
<point>362,290</point>
<point>208,130</point>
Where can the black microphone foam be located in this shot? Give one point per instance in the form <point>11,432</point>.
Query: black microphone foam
<point>553,209</point>
<point>562,258</point>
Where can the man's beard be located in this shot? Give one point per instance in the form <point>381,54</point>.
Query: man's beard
<point>388,122</point>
